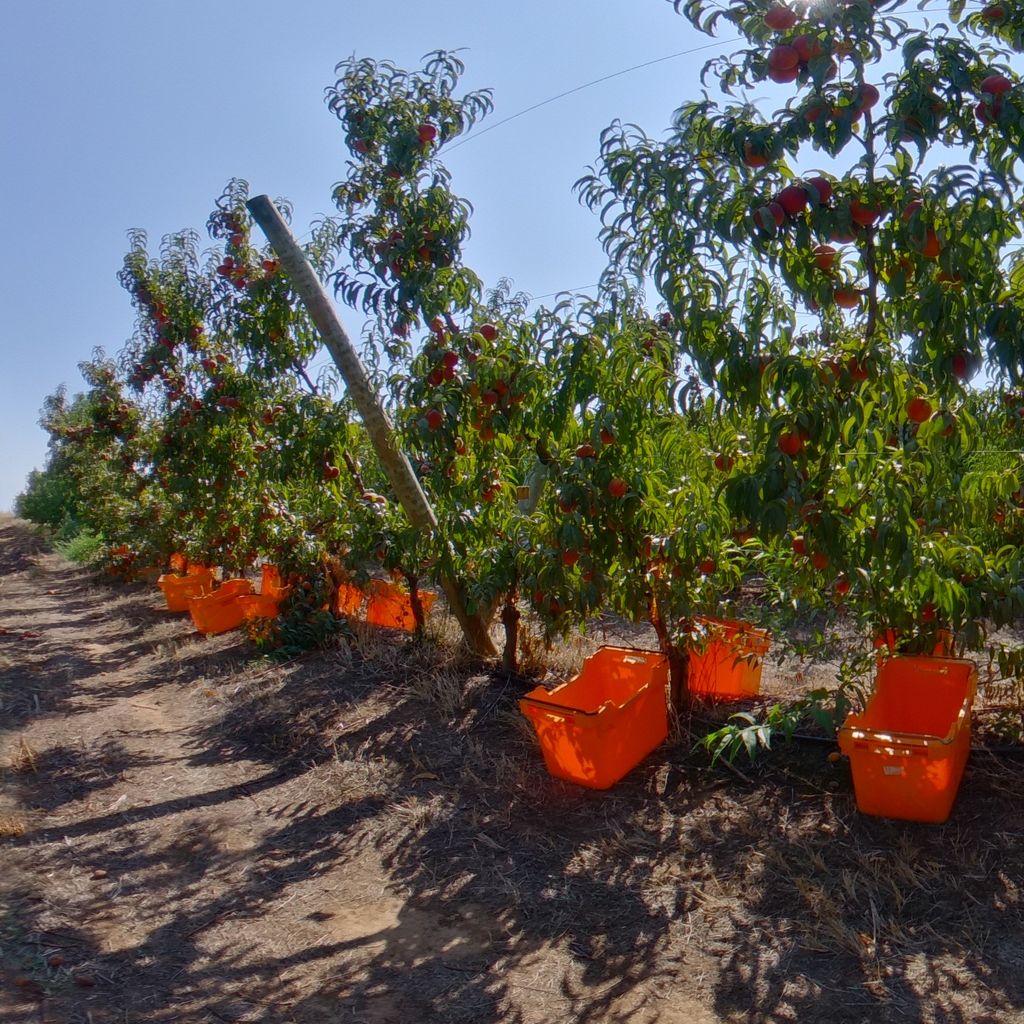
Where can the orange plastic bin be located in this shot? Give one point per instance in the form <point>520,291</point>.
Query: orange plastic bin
<point>908,747</point>
<point>598,726</point>
<point>390,606</point>
<point>258,606</point>
<point>271,584</point>
<point>220,611</point>
<point>179,590</point>
<point>348,601</point>
<point>889,641</point>
<point>726,663</point>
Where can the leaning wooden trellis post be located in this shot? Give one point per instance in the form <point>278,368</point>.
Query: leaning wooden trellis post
<point>406,486</point>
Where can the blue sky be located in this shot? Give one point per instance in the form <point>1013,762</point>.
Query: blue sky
<point>121,115</point>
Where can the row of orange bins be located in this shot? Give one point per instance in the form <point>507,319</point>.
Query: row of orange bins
<point>381,604</point>
<point>218,609</point>
<point>907,749</point>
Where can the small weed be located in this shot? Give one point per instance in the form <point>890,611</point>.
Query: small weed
<point>24,761</point>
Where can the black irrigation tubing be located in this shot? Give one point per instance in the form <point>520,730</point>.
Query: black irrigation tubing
<point>802,736</point>
<point>1001,750</point>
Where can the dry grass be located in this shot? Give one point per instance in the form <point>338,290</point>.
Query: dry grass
<point>12,826</point>
<point>373,828</point>
<point>556,658</point>
<point>24,761</point>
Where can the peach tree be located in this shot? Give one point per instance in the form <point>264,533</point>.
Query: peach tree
<point>252,451</point>
<point>551,443</point>
<point>837,312</point>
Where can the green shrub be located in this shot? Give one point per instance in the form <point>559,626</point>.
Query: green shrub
<point>81,547</point>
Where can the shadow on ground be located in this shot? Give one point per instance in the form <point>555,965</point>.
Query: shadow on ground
<point>395,851</point>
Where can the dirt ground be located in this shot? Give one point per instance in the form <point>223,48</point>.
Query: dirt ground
<point>191,834</point>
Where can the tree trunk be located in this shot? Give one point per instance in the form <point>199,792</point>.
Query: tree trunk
<point>510,620</point>
<point>679,693</point>
<point>416,604</point>
<point>395,463</point>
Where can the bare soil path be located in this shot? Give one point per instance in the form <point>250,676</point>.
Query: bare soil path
<point>191,834</point>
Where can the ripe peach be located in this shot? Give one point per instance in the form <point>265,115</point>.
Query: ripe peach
<point>754,155</point>
<point>869,96</point>
<point>823,188</point>
<point>910,209</point>
<point>864,214</point>
<point>919,409</point>
<point>825,258</point>
<point>996,85</point>
<point>807,48</point>
<point>931,247</point>
<point>792,199</point>
<point>783,75</point>
<point>770,217</point>
<point>790,443</point>
<point>783,57</point>
<point>780,18</point>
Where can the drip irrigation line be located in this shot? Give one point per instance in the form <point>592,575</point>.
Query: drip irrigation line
<point>1001,750</point>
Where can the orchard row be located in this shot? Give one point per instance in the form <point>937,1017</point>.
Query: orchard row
<point>597,456</point>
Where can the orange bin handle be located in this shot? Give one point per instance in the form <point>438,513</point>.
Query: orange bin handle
<point>904,748</point>
<point>544,705</point>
